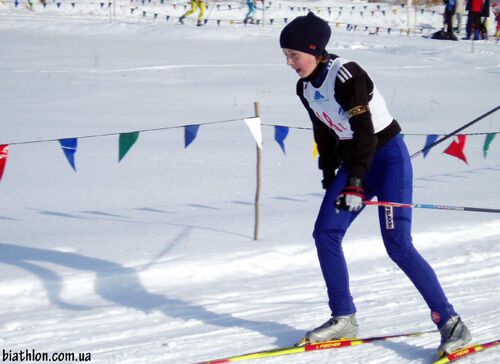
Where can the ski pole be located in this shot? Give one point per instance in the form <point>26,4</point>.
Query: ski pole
<point>429,206</point>
<point>447,136</point>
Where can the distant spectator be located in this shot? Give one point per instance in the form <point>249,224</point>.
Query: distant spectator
<point>485,14</point>
<point>195,4</point>
<point>475,8</point>
<point>446,33</point>
<point>449,11</point>
<point>460,8</point>
<point>496,13</point>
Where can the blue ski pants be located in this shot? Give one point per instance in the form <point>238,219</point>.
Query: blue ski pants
<point>390,178</point>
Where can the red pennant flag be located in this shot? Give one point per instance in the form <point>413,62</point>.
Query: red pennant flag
<point>4,150</point>
<point>456,148</point>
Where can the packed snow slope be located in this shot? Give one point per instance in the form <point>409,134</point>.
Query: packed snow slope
<point>152,260</point>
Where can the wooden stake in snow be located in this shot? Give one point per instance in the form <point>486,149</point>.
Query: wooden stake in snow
<point>254,125</point>
<point>257,190</point>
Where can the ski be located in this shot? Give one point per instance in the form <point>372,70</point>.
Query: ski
<point>469,350</point>
<point>335,344</point>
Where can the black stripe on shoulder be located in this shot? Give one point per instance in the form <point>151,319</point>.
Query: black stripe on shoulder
<point>353,69</point>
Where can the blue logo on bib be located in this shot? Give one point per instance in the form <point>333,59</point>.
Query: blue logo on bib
<point>318,96</point>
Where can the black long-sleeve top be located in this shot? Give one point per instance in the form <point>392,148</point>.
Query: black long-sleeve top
<point>356,91</point>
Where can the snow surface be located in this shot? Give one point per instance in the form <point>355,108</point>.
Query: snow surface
<point>152,260</point>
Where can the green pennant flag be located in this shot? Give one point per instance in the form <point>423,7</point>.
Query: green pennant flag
<point>487,142</point>
<point>126,142</point>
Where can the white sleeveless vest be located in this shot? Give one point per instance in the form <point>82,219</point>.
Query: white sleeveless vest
<point>322,101</point>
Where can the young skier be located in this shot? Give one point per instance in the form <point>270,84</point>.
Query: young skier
<point>356,134</point>
<point>251,11</point>
<point>249,17</point>
<point>195,4</point>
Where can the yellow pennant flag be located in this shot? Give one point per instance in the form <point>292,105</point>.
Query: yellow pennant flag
<point>315,150</point>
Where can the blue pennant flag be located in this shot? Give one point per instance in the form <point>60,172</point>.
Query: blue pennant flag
<point>280,134</point>
<point>69,148</point>
<point>190,132</point>
<point>431,138</point>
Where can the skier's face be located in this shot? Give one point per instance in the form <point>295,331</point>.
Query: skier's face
<point>302,63</point>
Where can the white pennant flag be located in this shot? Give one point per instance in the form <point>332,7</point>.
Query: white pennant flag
<point>254,126</point>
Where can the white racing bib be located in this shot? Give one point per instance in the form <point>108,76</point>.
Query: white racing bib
<point>322,101</point>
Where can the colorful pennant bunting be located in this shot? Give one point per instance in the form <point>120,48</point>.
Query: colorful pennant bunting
<point>254,126</point>
<point>456,148</point>
<point>4,151</point>
<point>125,142</point>
<point>280,134</point>
<point>190,132</point>
<point>487,142</point>
<point>431,138</point>
<point>69,147</point>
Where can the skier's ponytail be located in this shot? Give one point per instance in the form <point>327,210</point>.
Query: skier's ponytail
<point>324,58</point>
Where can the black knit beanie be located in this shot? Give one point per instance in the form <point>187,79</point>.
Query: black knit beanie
<point>308,34</point>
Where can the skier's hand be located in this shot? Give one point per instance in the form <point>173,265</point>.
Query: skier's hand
<point>352,196</point>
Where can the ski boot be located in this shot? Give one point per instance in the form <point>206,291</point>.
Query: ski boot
<point>199,23</point>
<point>248,20</point>
<point>454,335</point>
<point>181,19</point>
<point>338,327</point>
